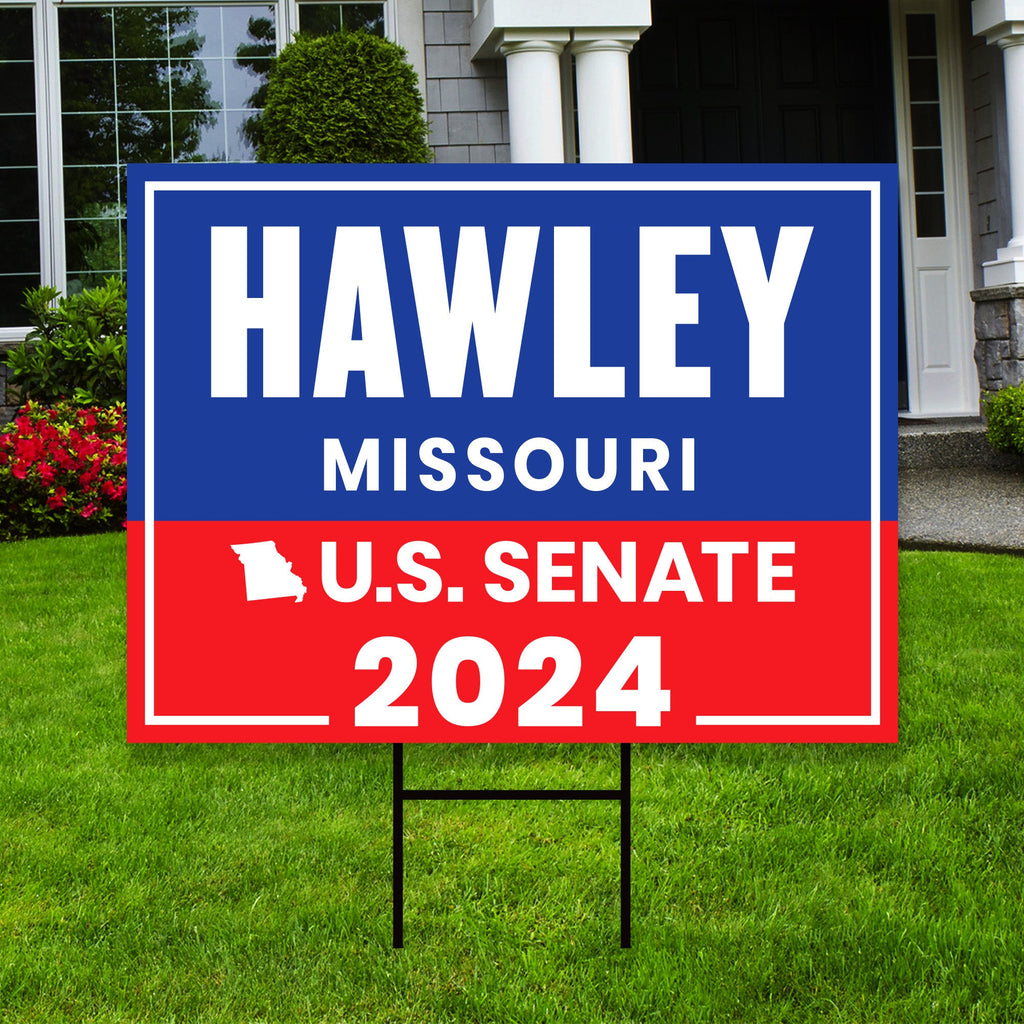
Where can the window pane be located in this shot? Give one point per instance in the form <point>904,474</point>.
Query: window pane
<point>19,193</point>
<point>239,125</point>
<point>931,216</point>
<point>194,32</point>
<point>89,139</point>
<point>248,26</point>
<point>17,140</point>
<point>19,176</point>
<point>86,33</point>
<point>12,295</point>
<point>15,34</point>
<point>90,190</point>
<point>243,82</point>
<point>197,84</point>
<point>323,19</point>
<point>924,79</point>
<point>368,17</point>
<point>142,84</point>
<point>95,246</point>
<point>191,132</point>
<point>88,279</point>
<point>319,19</point>
<point>921,35</point>
<point>19,251</point>
<point>928,170</point>
<point>144,138</point>
<point>17,87</point>
<point>201,139</point>
<point>925,124</point>
<point>140,32</point>
<point>87,85</point>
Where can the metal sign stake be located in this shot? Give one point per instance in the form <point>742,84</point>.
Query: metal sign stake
<point>400,794</point>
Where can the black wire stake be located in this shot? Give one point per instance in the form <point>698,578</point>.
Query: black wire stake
<point>400,794</point>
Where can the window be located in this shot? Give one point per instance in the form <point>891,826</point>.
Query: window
<point>925,126</point>
<point>322,19</point>
<point>149,84</point>
<point>97,85</point>
<point>19,174</point>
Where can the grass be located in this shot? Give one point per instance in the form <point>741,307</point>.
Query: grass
<point>252,883</point>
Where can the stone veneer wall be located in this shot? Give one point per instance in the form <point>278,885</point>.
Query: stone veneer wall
<point>6,411</point>
<point>467,102</point>
<point>999,330</point>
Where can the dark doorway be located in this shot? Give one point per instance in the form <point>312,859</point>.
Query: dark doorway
<point>771,81</point>
<point>742,81</point>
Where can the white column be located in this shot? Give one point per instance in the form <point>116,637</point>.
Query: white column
<point>1013,64</point>
<point>602,96</point>
<point>1002,22</point>
<point>535,98</point>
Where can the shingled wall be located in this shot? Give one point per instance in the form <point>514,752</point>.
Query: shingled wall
<point>467,102</point>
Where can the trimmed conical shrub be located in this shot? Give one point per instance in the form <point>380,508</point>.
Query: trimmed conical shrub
<point>348,97</point>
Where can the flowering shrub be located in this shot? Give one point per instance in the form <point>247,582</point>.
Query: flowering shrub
<point>63,469</point>
<point>78,347</point>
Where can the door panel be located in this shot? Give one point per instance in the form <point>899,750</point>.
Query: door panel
<point>699,112</point>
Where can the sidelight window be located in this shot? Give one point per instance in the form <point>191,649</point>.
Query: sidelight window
<point>925,126</point>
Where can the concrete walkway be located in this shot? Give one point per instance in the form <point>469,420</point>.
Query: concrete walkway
<point>955,492</point>
<point>971,509</point>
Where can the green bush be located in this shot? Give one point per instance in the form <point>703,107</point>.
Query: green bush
<point>78,348</point>
<point>345,98</point>
<point>1004,411</point>
<point>63,471</point>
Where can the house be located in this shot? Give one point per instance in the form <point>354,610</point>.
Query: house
<point>936,85</point>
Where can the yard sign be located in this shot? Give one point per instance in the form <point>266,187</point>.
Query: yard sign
<point>521,454</point>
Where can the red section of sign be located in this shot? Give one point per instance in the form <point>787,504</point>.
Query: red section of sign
<point>729,641</point>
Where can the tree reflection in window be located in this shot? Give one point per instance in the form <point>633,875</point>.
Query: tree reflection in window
<point>322,19</point>
<point>314,19</point>
<point>142,84</point>
<point>254,56</point>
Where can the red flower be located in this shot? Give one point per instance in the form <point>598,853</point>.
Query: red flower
<point>57,459</point>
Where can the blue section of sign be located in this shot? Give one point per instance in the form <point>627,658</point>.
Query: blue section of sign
<point>803,456</point>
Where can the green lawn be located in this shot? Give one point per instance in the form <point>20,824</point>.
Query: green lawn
<point>253,883</point>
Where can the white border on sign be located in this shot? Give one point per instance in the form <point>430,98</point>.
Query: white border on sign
<point>871,187</point>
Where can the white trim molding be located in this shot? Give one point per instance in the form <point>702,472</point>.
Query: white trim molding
<point>531,35</point>
<point>403,22</point>
<point>1001,22</point>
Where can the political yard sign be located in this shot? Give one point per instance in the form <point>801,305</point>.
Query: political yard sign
<point>524,454</point>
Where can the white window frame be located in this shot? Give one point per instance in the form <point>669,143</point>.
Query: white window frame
<point>403,22</point>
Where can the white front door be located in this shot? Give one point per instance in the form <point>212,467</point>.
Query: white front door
<point>934,215</point>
